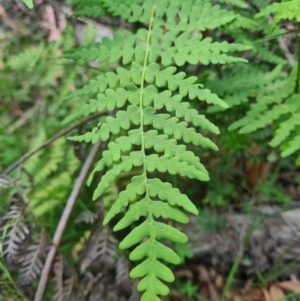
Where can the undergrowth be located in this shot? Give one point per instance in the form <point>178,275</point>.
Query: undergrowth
<point>173,77</point>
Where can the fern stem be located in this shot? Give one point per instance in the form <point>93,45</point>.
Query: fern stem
<point>142,87</point>
<point>298,62</point>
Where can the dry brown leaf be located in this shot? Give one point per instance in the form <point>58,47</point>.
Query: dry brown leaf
<point>204,292</point>
<point>212,273</point>
<point>2,12</point>
<point>237,298</point>
<point>256,169</point>
<point>293,286</point>
<point>219,281</point>
<point>276,292</point>
<point>203,274</point>
<point>256,295</point>
<point>213,293</point>
<point>266,295</point>
<point>184,273</point>
<point>55,30</point>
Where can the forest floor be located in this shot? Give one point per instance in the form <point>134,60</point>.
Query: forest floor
<point>247,256</point>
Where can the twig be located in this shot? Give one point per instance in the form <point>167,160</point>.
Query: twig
<point>51,140</point>
<point>63,222</point>
<point>281,41</point>
<point>289,57</point>
<point>297,85</point>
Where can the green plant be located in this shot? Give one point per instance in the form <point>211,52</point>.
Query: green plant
<point>7,283</point>
<point>149,96</point>
<point>189,289</point>
<point>29,3</point>
<point>149,82</point>
<point>278,105</point>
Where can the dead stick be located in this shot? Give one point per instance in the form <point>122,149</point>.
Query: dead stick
<point>63,222</point>
<point>50,140</point>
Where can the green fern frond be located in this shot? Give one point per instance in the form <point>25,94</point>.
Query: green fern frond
<point>89,8</point>
<point>286,10</point>
<point>61,163</point>
<point>242,83</point>
<point>237,3</point>
<point>266,55</point>
<point>268,107</point>
<point>28,59</point>
<point>116,98</point>
<point>154,123</point>
<point>186,49</point>
<point>166,45</point>
<point>277,106</point>
<point>260,3</point>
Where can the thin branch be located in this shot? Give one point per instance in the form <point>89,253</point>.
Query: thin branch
<point>51,140</point>
<point>298,61</point>
<point>64,220</point>
<point>289,57</point>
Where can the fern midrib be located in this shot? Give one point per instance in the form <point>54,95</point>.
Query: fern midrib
<point>142,83</point>
<point>141,101</point>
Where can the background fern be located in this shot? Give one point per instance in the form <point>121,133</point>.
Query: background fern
<point>275,105</point>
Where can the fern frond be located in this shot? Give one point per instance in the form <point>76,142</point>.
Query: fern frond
<point>58,268</point>
<point>280,108</point>
<point>32,263</point>
<point>267,55</point>
<point>286,10</point>
<point>86,216</point>
<point>111,99</point>
<point>237,3</point>
<point>56,155</point>
<point>15,228</point>
<point>63,285</point>
<point>99,250</point>
<point>122,272</point>
<point>267,108</point>
<point>123,282</point>
<point>89,8</point>
<point>242,83</point>
<point>260,3</point>
<point>178,45</point>
<point>28,59</point>
<point>154,125</point>
<point>191,13</point>
<point>60,162</point>
<point>68,288</point>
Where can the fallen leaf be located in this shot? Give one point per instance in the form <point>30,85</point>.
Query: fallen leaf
<point>256,295</point>
<point>293,286</point>
<point>276,292</point>
<point>203,274</point>
<point>55,30</point>
<point>219,281</point>
<point>266,295</point>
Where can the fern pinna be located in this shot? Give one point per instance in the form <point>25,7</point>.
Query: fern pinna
<point>154,117</point>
